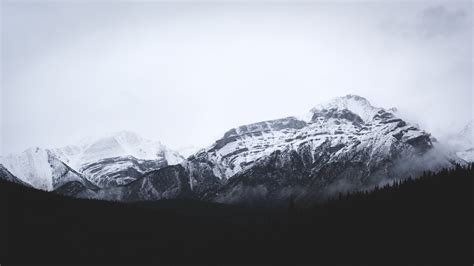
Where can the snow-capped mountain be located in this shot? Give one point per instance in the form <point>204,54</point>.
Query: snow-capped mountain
<point>343,125</point>
<point>118,158</point>
<point>341,145</point>
<point>115,159</point>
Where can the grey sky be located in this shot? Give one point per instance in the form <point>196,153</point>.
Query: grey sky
<point>183,73</point>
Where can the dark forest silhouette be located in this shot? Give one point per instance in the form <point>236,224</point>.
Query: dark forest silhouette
<point>426,220</point>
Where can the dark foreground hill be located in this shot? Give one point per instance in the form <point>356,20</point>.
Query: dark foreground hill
<point>425,220</point>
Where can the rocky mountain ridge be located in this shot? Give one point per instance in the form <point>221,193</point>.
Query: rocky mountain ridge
<point>343,145</point>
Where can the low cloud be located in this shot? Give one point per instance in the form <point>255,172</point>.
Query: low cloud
<point>442,21</point>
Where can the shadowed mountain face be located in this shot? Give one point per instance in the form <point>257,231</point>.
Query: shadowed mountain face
<point>170,182</point>
<point>344,145</point>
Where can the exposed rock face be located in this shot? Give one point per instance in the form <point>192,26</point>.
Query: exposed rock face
<point>117,171</point>
<point>170,182</point>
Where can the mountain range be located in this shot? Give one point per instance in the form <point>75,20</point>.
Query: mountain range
<point>342,145</point>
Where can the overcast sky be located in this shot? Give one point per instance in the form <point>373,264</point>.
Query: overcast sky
<point>184,73</point>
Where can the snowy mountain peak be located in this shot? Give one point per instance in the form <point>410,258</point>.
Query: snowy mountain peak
<point>117,158</point>
<point>356,104</point>
<point>342,127</point>
<point>113,145</point>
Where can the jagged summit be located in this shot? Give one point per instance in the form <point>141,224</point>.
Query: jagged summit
<point>344,137</point>
<point>353,103</point>
<point>340,107</point>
